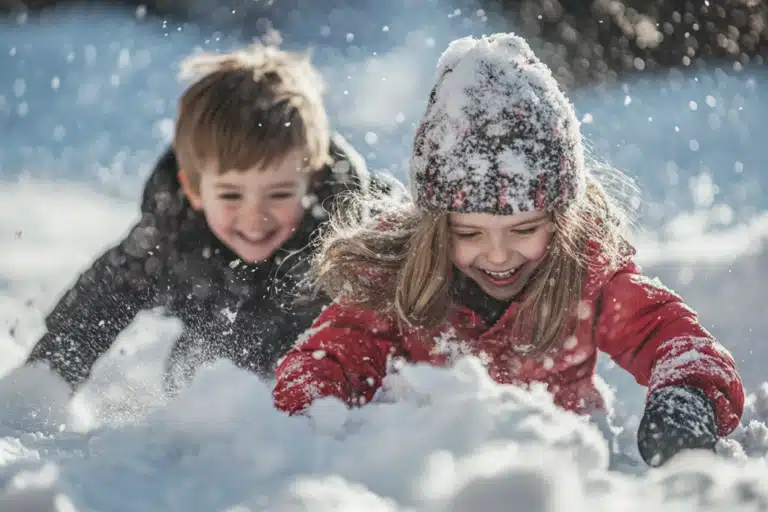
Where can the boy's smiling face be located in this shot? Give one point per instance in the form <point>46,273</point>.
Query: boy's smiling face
<point>253,212</point>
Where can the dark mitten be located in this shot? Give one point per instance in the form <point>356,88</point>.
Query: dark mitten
<point>676,418</point>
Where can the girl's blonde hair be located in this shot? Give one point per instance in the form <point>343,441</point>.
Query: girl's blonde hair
<point>400,262</point>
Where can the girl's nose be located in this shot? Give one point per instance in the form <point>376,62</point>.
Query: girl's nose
<point>497,254</point>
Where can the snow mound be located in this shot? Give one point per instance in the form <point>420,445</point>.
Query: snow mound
<point>452,439</point>
<point>35,491</point>
<point>456,438</point>
<point>455,441</point>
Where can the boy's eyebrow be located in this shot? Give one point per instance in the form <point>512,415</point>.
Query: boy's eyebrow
<point>534,220</point>
<point>225,185</point>
<point>283,184</point>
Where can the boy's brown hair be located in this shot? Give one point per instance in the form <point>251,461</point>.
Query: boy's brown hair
<point>249,108</point>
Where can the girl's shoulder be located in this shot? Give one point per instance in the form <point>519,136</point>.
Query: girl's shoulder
<point>601,268</point>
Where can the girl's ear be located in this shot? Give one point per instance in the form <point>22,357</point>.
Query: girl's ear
<point>192,196</point>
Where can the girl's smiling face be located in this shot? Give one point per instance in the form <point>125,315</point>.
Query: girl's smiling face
<point>499,252</point>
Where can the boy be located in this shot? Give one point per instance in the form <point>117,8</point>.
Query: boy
<point>226,219</point>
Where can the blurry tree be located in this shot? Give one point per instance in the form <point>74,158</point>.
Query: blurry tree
<point>594,41</point>
<point>584,41</point>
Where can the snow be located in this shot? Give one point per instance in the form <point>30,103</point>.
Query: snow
<point>453,439</point>
<point>404,454</point>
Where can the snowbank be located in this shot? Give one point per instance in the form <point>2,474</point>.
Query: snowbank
<point>454,441</point>
<point>457,441</point>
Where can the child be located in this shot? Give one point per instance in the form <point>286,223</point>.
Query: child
<point>512,251</point>
<point>226,215</point>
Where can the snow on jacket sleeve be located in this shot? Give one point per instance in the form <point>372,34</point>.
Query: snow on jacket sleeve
<point>649,331</point>
<point>104,300</point>
<point>344,355</point>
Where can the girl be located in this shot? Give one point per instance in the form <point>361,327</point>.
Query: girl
<point>510,250</point>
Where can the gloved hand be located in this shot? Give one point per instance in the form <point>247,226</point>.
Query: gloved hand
<point>676,418</point>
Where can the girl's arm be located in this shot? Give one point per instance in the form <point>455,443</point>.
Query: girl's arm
<point>344,354</point>
<point>649,331</point>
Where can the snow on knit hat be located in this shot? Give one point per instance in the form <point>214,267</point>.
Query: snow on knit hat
<point>498,135</point>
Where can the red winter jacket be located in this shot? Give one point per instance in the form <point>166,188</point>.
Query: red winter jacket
<point>643,326</point>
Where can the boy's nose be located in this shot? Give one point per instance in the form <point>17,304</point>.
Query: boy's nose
<point>256,218</point>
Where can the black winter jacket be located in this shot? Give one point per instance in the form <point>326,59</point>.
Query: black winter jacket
<point>250,314</point>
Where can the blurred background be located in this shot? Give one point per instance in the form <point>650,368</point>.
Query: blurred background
<point>668,89</point>
<point>673,92</point>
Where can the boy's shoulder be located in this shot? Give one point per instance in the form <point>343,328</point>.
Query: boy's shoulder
<point>348,171</point>
<point>162,191</point>
<point>346,168</point>
<point>166,208</point>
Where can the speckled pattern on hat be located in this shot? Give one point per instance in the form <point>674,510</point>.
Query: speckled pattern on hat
<point>498,135</point>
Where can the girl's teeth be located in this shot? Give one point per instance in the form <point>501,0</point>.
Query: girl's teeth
<point>500,275</point>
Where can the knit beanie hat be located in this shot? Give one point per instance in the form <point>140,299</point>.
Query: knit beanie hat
<point>498,136</point>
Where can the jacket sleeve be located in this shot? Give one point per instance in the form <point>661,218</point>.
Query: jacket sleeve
<point>103,301</point>
<point>649,331</point>
<point>344,354</point>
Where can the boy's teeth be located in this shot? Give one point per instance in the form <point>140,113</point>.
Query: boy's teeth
<point>258,237</point>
